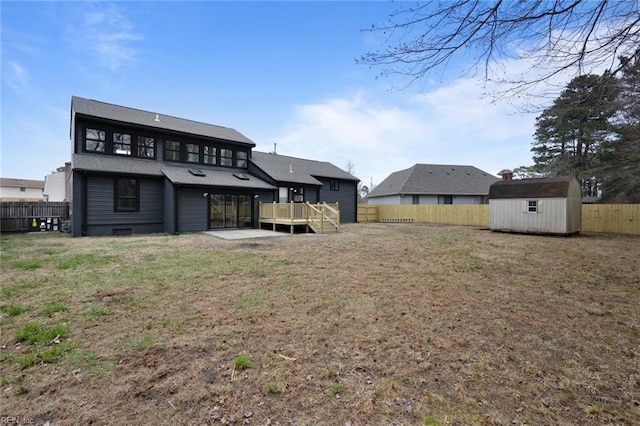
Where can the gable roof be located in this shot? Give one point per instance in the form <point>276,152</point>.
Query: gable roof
<point>435,179</point>
<point>103,110</point>
<point>549,187</point>
<point>21,183</point>
<point>283,168</point>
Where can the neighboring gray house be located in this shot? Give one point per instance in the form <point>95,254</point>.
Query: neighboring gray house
<point>135,171</point>
<point>550,205</point>
<point>434,184</point>
<point>301,180</point>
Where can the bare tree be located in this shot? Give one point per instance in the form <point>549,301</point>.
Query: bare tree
<point>555,37</point>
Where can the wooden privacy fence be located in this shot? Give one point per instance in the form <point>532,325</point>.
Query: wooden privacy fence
<point>614,218</point>
<point>17,216</point>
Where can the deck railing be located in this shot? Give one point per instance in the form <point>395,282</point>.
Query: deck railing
<point>321,217</point>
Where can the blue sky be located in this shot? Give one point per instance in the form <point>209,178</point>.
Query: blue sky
<point>280,73</point>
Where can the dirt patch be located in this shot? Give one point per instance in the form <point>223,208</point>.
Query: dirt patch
<point>378,324</point>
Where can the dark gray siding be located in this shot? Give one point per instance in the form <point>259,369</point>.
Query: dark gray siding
<point>346,197</point>
<point>169,208</point>
<point>75,211</point>
<point>101,219</point>
<point>192,210</point>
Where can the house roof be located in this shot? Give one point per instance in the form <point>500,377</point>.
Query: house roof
<point>549,187</point>
<point>182,176</point>
<point>283,168</point>
<point>176,174</point>
<point>21,183</point>
<point>435,179</point>
<point>127,115</point>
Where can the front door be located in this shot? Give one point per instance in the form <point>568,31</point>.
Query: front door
<point>229,211</point>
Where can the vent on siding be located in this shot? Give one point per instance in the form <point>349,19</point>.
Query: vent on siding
<point>121,231</point>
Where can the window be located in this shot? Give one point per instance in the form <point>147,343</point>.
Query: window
<point>94,140</point>
<point>415,199</point>
<point>241,159</point>
<point>126,195</point>
<point>23,189</point>
<point>172,151</point>
<point>334,185</point>
<point>121,143</point>
<point>226,157</point>
<point>298,194</point>
<point>193,153</point>
<point>445,199</point>
<point>146,147</point>
<point>532,206</point>
<point>209,154</point>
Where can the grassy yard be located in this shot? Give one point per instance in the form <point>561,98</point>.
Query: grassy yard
<point>379,324</point>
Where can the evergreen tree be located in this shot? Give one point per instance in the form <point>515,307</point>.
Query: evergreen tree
<point>621,155</point>
<point>569,134</point>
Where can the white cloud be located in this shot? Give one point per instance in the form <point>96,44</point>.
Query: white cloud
<point>108,35</point>
<point>451,125</point>
<point>16,76</point>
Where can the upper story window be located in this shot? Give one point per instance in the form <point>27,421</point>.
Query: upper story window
<point>146,147</point>
<point>193,153</point>
<point>334,185</point>
<point>226,157</point>
<point>172,151</point>
<point>94,140</point>
<point>113,141</point>
<point>121,143</point>
<point>241,159</point>
<point>209,154</point>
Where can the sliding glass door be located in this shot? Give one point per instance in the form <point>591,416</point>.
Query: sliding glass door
<point>229,211</point>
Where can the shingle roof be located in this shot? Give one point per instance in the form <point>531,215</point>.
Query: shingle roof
<point>283,168</point>
<point>21,183</point>
<point>148,119</point>
<point>549,187</point>
<point>176,174</point>
<point>182,176</point>
<point>113,164</point>
<point>436,179</point>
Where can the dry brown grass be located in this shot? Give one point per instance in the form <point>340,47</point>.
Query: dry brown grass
<point>379,324</point>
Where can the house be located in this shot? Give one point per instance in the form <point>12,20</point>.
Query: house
<point>551,205</point>
<point>135,171</point>
<point>56,186</point>
<point>300,180</point>
<point>21,189</point>
<point>434,184</point>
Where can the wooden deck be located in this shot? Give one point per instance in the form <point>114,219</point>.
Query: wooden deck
<point>320,218</point>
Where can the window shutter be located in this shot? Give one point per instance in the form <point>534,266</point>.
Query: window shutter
<point>540,206</point>
<point>524,206</point>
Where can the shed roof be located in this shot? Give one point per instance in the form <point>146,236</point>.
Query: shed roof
<point>128,115</point>
<point>283,168</point>
<point>436,179</point>
<point>549,187</point>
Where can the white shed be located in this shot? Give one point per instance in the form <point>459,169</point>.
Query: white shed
<point>550,205</point>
